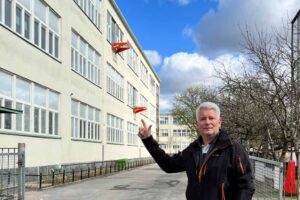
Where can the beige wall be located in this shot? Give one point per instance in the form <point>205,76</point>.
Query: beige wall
<point>23,59</point>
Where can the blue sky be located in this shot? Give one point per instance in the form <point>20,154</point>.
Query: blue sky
<point>186,39</point>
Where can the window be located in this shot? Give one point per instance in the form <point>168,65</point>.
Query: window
<point>85,60</point>
<point>152,85</point>
<point>1,11</point>
<point>18,20</point>
<point>144,74</point>
<point>132,95</point>
<point>115,83</point>
<point>115,132</point>
<point>152,112</point>
<point>164,120</point>
<point>132,60</point>
<point>163,132</point>
<point>40,106</point>
<point>7,12</point>
<point>92,9</point>
<point>132,130</point>
<point>85,121</point>
<point>144,103</point>
<point>21,15</point>
<point>114,33</point>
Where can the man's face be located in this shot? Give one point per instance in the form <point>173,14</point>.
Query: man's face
<point>208,122</point>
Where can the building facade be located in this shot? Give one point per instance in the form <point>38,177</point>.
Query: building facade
<point>58,66</point>
<point>172,136</point>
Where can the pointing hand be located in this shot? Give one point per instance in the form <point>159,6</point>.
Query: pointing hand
<point>144,131</point>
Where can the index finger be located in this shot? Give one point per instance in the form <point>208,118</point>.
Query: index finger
<point>144,123</point>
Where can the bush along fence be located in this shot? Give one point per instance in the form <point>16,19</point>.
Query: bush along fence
<point>76,172</point>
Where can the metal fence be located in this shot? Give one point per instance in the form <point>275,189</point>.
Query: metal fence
<point>12,173</point>
<point>268,179</point>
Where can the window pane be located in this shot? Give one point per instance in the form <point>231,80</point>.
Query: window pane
<point>39,96</point>
<point>19,117</point>
<point>36,32</point>
<point>50,123</point>
<point>74,108</point>
<point>74,40</point>
<point>56,47</point>
<point>7,13</point>
<point>5,84</point>
<point>25,3</point>
<point>83,110</point>
<point>0,16</point>
<point>23,90</point>
<point>53,100</point>
<point>53,21</point>
<point>27,26</point>
<point>56,124</point>
<point>50,42</point>
<point>18,20</point>
<point>8,117</point>
<point>26,115</point>
<point>43,121</point>
<point>40,10</point>
<point>36,120</point>
<point>43,38</point>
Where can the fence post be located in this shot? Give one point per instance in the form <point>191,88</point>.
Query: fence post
<point>40,184</point>
<point>52,177</point>
<point>64,173</point>
<point>80,173</point>
<point>281,182</point>
<point>73,175</point>
<point>21,169</point>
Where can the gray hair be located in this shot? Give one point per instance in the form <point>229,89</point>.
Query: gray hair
<point>208,105</point>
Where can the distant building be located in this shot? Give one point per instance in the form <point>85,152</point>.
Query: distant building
<point>172,136</point>
<point>76,91</point>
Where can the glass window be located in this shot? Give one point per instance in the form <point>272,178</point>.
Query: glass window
<point>50,42</point>
<point>27,26</point>
<point>8,12</point>
<point>8,117</point>
<point>36,32</point>
<point>40,10</point>
<point>19,20</point>
<point>5,84</point>
<point>39,96</point>
<point>53,100</point>
<point>23,90</point>
<point>56,47</point>
<point>53,21</point>
<point>36,119</point>
<point>25,3</point>
<point>0,11</point>
<point>43,38</point>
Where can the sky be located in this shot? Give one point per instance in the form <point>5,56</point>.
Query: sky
<point>185,40</point>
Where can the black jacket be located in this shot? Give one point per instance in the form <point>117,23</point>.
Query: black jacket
<point>224,173</point>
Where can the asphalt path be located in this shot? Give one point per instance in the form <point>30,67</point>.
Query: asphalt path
<point>143,183</point>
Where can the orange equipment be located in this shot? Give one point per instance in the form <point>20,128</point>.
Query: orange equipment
<point>120,46</point>
<point>138,109</point>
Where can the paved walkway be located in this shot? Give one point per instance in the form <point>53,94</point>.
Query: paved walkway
<point>144,183</point>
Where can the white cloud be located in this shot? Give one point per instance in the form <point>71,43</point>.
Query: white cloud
<point>165,102</point>
<point>218,32</point>
<point>153,56</point>
<point>183,70</point>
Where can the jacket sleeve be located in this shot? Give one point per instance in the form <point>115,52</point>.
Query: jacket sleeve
<point>243,170</point>
<point>169,164</point>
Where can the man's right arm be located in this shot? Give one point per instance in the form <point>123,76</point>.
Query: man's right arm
<point>169,164</point>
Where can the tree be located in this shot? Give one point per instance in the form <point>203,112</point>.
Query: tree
<point>186,103</point>
<point>268,85</point>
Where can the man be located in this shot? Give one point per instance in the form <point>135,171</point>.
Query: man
<point>217,167</point>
